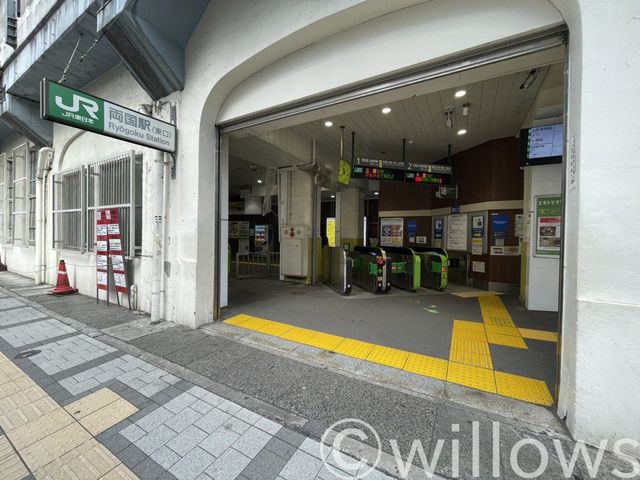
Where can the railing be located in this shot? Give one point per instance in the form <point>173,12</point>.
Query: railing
<point>257,265</point>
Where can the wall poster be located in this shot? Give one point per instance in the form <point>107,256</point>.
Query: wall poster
<point>391,232</point>
<point>548,225</point>
<point>457,232</point>
<point>500,225</point>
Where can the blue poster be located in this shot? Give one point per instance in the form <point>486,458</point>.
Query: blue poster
<point>412,228</point>
<point>500,224</point>
<point>437,231</point>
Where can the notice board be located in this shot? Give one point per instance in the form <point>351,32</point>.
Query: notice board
<point>457,232</point>
<point>548,225</point>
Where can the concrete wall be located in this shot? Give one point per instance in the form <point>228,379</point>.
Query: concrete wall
<point>600,378</point>
<point>543,273</point>
<point>119,87</point>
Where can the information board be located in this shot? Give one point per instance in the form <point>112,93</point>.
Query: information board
<point>548,225</point>
<point>547,141</point>
<point>109,248</point>
<point>391,232</point>
<point>457,232</point>
<point>375,173</point>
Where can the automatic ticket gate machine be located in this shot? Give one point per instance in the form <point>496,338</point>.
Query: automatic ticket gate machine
<point>371,270</point>
<point>405,268</point>
<point>434,267</point>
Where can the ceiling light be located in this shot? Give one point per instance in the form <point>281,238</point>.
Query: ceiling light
<point>465,109</point>
<point>462,131</point>
<point>460,93</point>
<point>376,193</point>
<point>259,181</point>
<point>328,123</point>
<point>533,74</point>
<point>386,110</point>
<point>333,196</point>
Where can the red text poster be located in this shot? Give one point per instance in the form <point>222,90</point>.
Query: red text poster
<point>102,251</point>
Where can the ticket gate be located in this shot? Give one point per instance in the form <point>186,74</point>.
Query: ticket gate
<point>371,269</point>
<point>339,274</point>
<point>405,268</point>
<point>434,267</point>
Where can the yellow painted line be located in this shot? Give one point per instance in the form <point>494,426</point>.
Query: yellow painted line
<point>523,388</point>
<point>472,377</point>
<point>391,357</point>
<point>426,366</point>
<point>475,294</point>
<point>469,364</point>
<point>539,335</point>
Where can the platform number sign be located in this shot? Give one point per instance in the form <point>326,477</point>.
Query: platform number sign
<point>61,104</point>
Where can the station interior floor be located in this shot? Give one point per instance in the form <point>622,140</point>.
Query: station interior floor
<point>483,340</point>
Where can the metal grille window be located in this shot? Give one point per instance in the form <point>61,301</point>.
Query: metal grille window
<point>33,167</point>
<point>18,195</point>
<point>115,182</point>
<point>67,210</point>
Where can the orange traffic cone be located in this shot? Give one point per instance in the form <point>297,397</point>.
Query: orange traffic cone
<point>62,285</point>
<point>3,267</point>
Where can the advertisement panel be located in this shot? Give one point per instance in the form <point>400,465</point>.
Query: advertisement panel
<point>548,225</point>
<point>391,232</point>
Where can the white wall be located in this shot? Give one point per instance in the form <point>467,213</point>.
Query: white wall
<point>600,371</point>
<point>543,273</point>
<point>119,87</point>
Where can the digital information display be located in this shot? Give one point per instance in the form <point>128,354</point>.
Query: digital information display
<point>546,141</point>
<point>394,171</point>
<point>372,173</point>
<point>422,177</point>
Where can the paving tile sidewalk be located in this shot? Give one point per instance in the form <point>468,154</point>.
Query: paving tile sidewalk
<point>72,406</point>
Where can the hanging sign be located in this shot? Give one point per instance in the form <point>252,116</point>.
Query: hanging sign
<point>61,104</point>
<point>548,225</point>
<point>391,232</point>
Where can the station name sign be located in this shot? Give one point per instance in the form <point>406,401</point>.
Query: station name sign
<point>75,108</point>
<point>394,171</point>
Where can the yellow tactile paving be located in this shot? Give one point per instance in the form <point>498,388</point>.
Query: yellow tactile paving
<point>50,441</point>
<point>471,330</point>
<point>100,420</point>
<point>253,323</point>
<point>539,335</point>
<point>299,335</point>
<point>511,331</point>
<point>523,388</point>
<point>473,377</point>
<point>426,366</point>
<point>237,319</point>
<point>506,340</point>
<point>354,348</point>
<point>390,357</point>
<point>275,328</point>
<point>470,345</point>
<point>91,403</point>
<point>471,358</point>
<point>500,322</point>
<point>326,341</point>
<point>475,294</point>
<point>492,307</point>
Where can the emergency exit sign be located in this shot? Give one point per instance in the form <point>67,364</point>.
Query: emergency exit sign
<point>61,104</point>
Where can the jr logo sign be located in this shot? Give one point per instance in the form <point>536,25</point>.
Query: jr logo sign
<point>90,106</point>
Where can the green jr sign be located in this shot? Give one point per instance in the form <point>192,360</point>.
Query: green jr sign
<point>78,109</point>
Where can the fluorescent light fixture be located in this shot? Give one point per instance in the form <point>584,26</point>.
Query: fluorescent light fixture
<point>376,193</point>
<point>386,110</point>
<point>460,93</point>
<point>259,181</point>
<point>462,131</point>
<point>533,74</point>
<point>328,123</point>
<point>333,196</point>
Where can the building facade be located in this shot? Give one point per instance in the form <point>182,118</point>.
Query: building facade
<point>214,66</point>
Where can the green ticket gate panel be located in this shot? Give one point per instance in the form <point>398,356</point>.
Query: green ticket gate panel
<point>370,269</point>
<point>434,267</point>
<point>405,268</point>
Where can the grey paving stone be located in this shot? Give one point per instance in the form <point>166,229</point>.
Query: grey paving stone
<point>181,402</point>
<point>155,439</point>
<point>251,442</point>
<point>219,441</point>
<point>212,420</point>
<point>229,407</point>
<point>187,440</point>
<point>192,465</point>
<point>280,448</point>
<point>311,447</point>
<point>183,419</point>
<point>301,466</point>
<point>236,425</point>
<point>115,443</point>
<point>212,399</point>
<point>247,415</point>
<point>265,466</point>
<point>154,419</point>
<point>165,457</point>
<point>133,433</point>
<point>228,466</point>
<point>131,456</point>
<point>268,426</point>
<point>198,392</point>
<point>291,437</point>
<point>148,469</point>
<point>201,406</point>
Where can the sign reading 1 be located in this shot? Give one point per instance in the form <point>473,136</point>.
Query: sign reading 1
<point>75,108</point>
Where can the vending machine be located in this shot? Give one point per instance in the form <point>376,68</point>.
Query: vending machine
<point>263,238</point>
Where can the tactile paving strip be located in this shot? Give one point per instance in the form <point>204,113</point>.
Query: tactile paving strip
<point>426,366</point>
<point>275,329</point>
<point>391,357</point>
<point>539,335</point>
<point>473,377</point>
<point>326,341</point>
<point>471,358</point>
<point>354,348</point>
<point>523,388</point>
<point>506,340</point>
